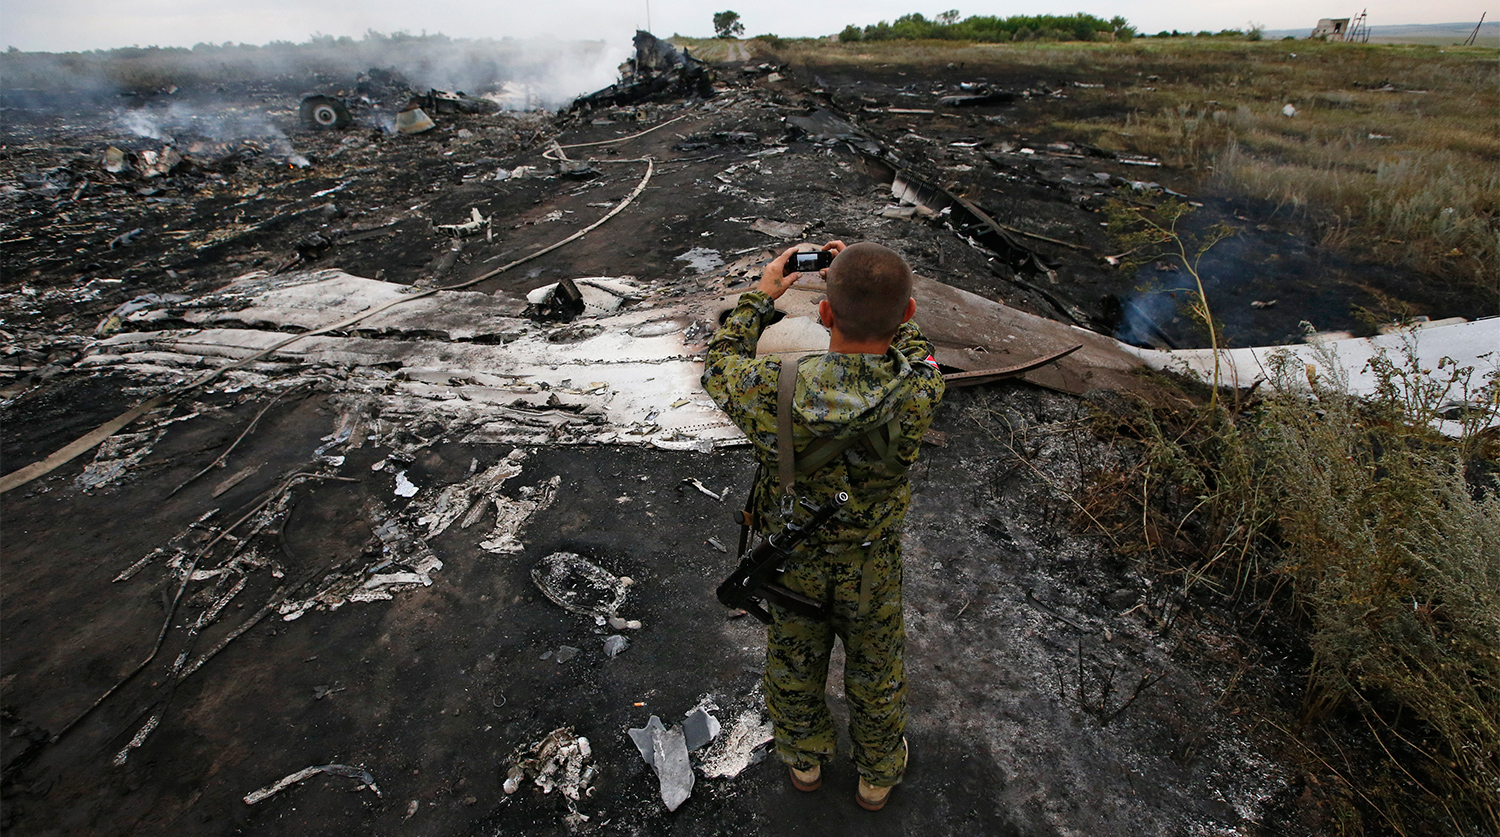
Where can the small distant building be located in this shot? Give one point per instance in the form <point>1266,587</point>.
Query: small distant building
<point>1331,29</point>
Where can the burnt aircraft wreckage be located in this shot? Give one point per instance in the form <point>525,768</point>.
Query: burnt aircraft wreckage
<point>382,489</point>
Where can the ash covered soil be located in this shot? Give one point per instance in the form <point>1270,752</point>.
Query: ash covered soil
<point>1054,690</point>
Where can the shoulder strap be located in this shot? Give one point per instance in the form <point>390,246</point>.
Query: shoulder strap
<point>879,440</point>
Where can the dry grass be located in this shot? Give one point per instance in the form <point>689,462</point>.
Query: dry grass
<point>1393,152</point>
<point>1387,538</point>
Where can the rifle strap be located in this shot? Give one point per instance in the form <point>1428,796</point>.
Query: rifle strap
<point>786,455</point>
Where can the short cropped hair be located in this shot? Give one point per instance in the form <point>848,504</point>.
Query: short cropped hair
<point>868,288</point>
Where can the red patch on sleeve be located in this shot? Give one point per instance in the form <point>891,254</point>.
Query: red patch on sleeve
<point>930,361</point>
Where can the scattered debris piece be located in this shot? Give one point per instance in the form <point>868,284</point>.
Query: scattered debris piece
<point>670,756</point>
<point>566,653</point>
<point>623,624</point>
<point>614,645</point>
<point>269,791</point>
<point>414,120</point>
<point>115,457</point>
<point>115,161</point>
<point>476,224</point>
<point>1263,303</point>
<point>324,113</point>
<point>699,728</point>
<point>740,748</point>
<point>780,230</point>
<point>701,487</point>
<point>558,302</point>
<point>124,239</point>
<point>560,761</point>
<point>975,99</point>
<point>404,486</point>
<point>579,586</point>
<point>512,514</point>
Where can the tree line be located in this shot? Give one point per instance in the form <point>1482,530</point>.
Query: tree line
<point>990,29</point>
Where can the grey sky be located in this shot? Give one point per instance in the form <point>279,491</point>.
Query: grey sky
<point>65,25</point>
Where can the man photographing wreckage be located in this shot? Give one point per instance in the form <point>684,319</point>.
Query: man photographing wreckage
<point>858,413</point>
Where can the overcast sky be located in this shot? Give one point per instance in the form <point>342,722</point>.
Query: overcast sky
<point>67,25</point>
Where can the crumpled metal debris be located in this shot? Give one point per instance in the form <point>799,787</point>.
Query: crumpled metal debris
<point>364,776</point>
<point>560,761</point>
<point>466,501</point>
<point>476,224</point>
<point>116,456</point>
<point>741,747</point>
<point>414,121</point>
<point>580,586</point>
<point>512,513</point>
<point>593,295</point>
<point>112,323</point>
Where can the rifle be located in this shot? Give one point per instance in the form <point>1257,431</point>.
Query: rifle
<point>754,581</point>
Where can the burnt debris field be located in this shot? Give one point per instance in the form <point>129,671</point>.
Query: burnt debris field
<point>419,508</point>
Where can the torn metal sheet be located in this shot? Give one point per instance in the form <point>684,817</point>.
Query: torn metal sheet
<point>465,501</point>
<point>972,334</point>
<point>512,514</point>
<point>643,736</point>
<point>307,300</point>
<point>365,778</point>
<point>699,728</point>
<point>457,356</point>
<point>1347,360</point>
<point>669,758</point>
<point>781,230</point>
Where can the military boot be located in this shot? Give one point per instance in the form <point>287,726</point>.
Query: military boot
<point>808,780</point>
<point>872,798</point>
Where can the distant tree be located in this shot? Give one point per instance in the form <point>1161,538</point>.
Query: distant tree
<point>1256,32</point>
<point>727,25</point>
<point>851,33</point>
<point>949,17</point>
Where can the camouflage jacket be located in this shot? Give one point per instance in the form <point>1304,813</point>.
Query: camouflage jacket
<point>837,395</point>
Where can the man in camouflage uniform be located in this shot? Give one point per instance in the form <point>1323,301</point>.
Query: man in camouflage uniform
<point>880,383</point>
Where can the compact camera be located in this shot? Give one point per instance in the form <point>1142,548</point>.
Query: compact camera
<point>809,262</point>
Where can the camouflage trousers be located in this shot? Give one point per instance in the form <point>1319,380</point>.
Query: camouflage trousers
<point>797,651</point>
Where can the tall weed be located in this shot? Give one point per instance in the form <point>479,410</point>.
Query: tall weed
<point>1386,536</point>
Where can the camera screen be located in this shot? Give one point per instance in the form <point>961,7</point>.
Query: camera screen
<point>810,261</point>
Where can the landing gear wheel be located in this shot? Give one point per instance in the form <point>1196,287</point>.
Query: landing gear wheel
<point>325,113</point>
